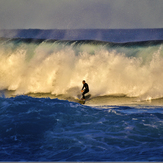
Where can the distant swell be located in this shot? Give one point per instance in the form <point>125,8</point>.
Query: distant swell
<point>107,35</point>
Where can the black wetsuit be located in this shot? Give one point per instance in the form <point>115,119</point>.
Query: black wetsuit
<point>86,90</point>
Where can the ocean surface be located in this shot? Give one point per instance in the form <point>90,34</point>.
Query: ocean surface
<point>41,73</point>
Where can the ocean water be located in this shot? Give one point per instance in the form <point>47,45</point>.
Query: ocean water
<point>41,120</point>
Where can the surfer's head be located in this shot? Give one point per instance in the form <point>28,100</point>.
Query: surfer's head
<point>83,81</point>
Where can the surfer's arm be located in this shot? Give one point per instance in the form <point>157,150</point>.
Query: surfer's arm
<point>83,87</point>
<point>82,90</point>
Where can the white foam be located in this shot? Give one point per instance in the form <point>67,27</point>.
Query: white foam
<point>57,69</point>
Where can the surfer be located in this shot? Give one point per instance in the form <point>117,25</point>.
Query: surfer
<point>85,89</point>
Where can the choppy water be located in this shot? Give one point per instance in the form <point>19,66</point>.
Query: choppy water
<point>41,129</point>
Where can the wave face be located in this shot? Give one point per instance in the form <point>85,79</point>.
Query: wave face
<point>58,67</point>
<point>34,129</point>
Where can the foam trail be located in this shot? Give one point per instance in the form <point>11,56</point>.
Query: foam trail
<point>59,68</point>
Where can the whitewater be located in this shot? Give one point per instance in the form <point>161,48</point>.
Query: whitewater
<point>40,79</point>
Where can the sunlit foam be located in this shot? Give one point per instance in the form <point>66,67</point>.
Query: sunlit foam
<point>58,68</point>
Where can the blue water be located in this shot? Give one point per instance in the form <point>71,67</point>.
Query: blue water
<point>108,35</point>
<point>42,129</point>
<point>40,79</point>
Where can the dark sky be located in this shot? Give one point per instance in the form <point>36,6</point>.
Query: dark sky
<point>81,14</point>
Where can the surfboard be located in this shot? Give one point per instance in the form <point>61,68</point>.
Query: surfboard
<point>83,101</point>
<point>80,101</point>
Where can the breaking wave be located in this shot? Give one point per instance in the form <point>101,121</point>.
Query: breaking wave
<point>58,67</point>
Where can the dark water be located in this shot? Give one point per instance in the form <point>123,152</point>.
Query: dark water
<point>41,129</point>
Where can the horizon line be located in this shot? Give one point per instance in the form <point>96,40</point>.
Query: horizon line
<point>84,29</point>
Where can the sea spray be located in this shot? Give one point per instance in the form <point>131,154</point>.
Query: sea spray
<point>56,67</point>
